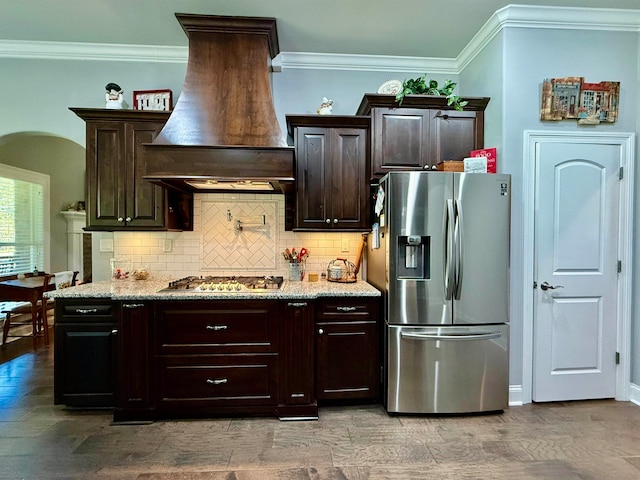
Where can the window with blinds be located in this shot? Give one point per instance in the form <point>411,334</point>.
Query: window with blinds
<point>23,220</point>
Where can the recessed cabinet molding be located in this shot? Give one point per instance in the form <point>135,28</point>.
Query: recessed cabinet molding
<point>421,133</point>
<point>332,171</point>
<point>118,197</point>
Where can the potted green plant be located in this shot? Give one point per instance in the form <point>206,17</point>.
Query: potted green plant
<point>420,86</point>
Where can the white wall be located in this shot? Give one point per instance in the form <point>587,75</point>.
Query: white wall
<point>41,91</point>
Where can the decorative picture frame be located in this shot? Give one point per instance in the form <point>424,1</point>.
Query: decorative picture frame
<point>159,100</point>
<point>573,98</point>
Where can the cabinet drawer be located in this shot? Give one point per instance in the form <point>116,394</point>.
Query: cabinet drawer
<point>347,309</point>
<point>84,311</point>
<point>217,380</point>
<point>216,328</point>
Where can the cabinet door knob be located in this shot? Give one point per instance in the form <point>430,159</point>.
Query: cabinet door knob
<point>335,220</point>
<point>320,331</point>
<point>128,219</point>
<point>328,220</point>
<point>120,219</point>
<point>433,167</point>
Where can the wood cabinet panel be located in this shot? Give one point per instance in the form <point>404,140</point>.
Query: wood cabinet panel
<point>348,186</point>
<point>134,357</point>
<point>332,164</point>
<point>145,201</point>
<point>421,133</point>
<point>84,354</point>
<point>455,134</point>
<point>216,327</point>
<point>297,353</point>
<point>311,205</point>
<point>402,141</point>
<point>118,196</point>
<point>207,380</point>
<point>347,348</point>
<point>105,201</point>
<point>347,365</point>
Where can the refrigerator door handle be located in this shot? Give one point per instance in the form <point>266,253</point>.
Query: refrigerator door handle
<point>457,240</point>
<point>460,337</point>
<point>448,245</point>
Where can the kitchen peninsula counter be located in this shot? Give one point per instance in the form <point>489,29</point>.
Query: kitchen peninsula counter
<point>151,290</point>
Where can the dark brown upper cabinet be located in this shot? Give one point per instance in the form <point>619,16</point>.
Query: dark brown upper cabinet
<point>332,171</point>
<point>421,133</point>
<point>117,195</point>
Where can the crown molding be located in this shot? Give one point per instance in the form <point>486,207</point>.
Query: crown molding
<point>377,63</point>
<point>511,16</point>
<point>562,18</point>
<point>92,51</point>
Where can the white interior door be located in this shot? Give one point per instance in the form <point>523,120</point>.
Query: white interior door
<point>576,251</point>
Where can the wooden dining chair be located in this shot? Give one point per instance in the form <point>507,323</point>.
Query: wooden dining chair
<point>40,323</point>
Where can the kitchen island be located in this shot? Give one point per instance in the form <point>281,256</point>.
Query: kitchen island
<point>153,354</point>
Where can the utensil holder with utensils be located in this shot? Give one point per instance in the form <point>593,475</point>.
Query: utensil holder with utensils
<point>296,271</point>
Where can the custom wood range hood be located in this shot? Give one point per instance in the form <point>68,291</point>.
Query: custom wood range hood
<point>223,133</point>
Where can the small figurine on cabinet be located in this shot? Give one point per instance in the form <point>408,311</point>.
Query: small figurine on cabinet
<point>325,107</point>
<point>114,96</point>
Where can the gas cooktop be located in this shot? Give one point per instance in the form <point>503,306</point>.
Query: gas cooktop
<point>224,284</point>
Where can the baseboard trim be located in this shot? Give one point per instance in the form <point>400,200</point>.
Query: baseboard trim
<point>634,394</point>
<point>515,395</point>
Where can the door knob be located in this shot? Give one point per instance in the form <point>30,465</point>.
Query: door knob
<point>546,286</point>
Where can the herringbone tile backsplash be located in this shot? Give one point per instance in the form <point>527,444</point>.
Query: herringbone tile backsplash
<point>217,246</point>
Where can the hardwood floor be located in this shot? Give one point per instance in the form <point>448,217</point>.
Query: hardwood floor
<point>567,441</point>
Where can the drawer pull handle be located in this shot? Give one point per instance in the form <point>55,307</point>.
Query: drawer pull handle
<point>216,327</point>
<point>218,381</point>
<point>132,305</point>
<point>297,304</point>
<point>346,309</point>
<point>86,310</point>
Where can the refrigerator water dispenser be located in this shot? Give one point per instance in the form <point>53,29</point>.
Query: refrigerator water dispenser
<point>413,257</point>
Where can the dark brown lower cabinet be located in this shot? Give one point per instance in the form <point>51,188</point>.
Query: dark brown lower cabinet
<point>182,358</point>
<point>347,348</point>
<point>224,357</point>
<point>85,353</point>
<point>134,394</point>
<point>297,360</point>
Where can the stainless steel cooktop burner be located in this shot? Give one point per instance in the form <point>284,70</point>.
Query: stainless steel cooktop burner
<point>224,284</point>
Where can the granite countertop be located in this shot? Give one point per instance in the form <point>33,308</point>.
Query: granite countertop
<point>150,290</point>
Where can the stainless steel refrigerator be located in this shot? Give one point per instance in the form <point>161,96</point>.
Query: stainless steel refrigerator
<point>440,255</point>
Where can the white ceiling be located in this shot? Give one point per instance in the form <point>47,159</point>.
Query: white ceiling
<point>415,28</point>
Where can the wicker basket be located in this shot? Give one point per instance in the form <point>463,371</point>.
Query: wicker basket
<point>341,270</point>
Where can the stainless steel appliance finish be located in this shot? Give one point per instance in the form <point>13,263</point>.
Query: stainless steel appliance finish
<point>227,284</point>
<point>443,260</point>
<point>448,369</point>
